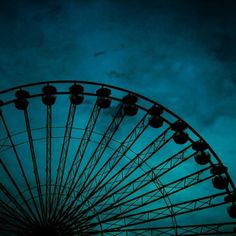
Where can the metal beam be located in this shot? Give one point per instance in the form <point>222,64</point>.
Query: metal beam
<point>129,168</point>
<point>97,154</point>
<point>11,213</point>
<point>33,158</point>
<point>13,199</point>
<point>74,169</point>
<point>63,157</point>
<point>20,165</point>
<point>140,218</point>
<point>116,157</point>
<point>187,230</point>
<point>48,170</point>
<point>121,207</point>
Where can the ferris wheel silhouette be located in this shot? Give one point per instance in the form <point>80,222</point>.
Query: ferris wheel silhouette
<point>85,158</point>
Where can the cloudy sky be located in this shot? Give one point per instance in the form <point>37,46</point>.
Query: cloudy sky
<point>180,53</point>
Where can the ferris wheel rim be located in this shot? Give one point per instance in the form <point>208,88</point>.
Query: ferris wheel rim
<point>5,103</point>
<point>116,88</point>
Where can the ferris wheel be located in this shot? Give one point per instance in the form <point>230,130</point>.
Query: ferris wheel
<point>84,158</point>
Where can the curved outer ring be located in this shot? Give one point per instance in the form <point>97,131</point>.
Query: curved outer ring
<point>123,90</point>
<point>117,99</point>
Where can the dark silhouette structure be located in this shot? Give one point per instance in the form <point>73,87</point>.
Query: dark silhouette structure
<point>84,158</point>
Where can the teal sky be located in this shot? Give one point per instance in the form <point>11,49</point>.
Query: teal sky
<point>180,53</point>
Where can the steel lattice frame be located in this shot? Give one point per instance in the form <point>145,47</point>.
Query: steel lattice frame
<point>78,168</point>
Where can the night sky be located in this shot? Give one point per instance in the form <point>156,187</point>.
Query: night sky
<point>180,53</point>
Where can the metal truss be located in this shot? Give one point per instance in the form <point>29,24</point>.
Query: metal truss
<point>194,230</point>
<point>138,173</point>
<point>48,200</point>
<point>34,161</point>
<point>63,155</point>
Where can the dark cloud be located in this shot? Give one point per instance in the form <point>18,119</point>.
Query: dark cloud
<point>180,53</point>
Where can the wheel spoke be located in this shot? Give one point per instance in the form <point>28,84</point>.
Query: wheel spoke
<point>203,229</point>
<point>35,166</point>
<point>109,162</point>
<point>63,156</point>
<point>48,203</point>
<point>147,198</point>
<point>104,142</point>
<point>162,213</point>
<point>129,168</point>
<point>71,176</point>
<point>18,213</point>
<point>21,168</point>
